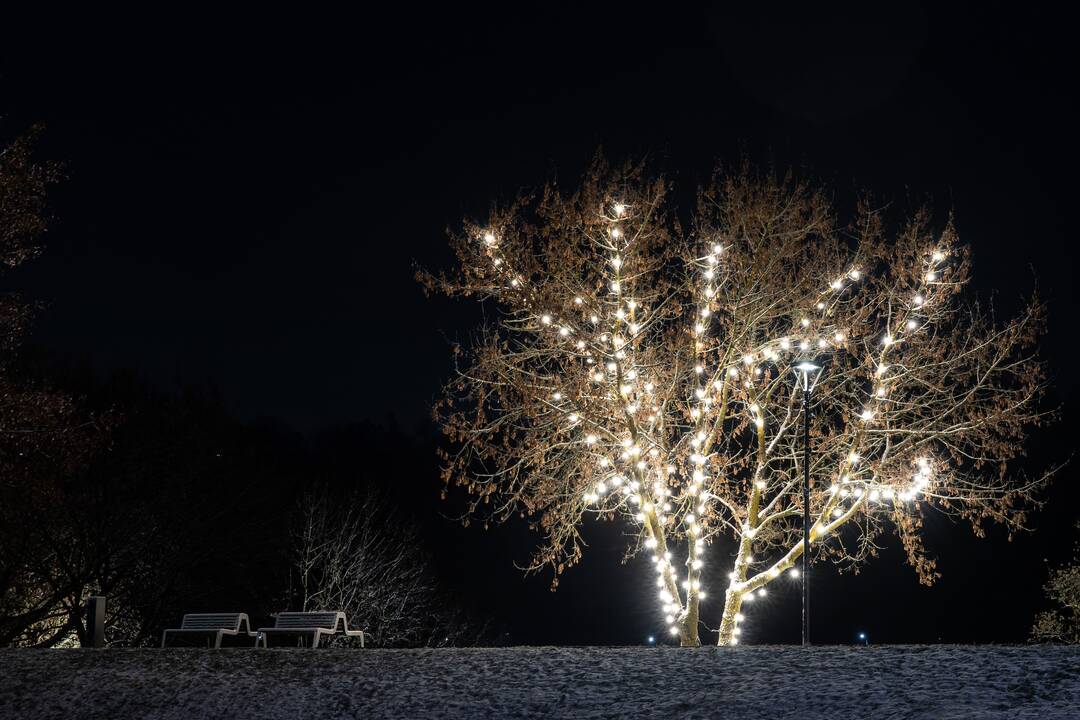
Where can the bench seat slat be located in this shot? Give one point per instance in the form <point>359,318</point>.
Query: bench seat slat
<point>317,623</point>
<point>212,624</point>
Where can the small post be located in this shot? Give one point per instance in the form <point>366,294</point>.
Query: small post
<point>95,621</point>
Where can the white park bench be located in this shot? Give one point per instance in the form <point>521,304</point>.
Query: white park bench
<point>313,625</point>
<point>212,626</point>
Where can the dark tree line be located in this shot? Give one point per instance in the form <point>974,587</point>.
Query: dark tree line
<point>179,507</point>
<point>166,503</point>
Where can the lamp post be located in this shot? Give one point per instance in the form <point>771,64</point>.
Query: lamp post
<point>805,369</point>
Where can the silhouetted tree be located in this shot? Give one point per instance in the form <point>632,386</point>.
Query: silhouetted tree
<point>1062,623</point>
<point>46,563</point>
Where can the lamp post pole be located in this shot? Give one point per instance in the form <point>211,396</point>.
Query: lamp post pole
<point>805,368</point>
<point>806,514</point>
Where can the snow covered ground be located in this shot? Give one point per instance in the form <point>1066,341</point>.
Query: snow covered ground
<point>745,682</point>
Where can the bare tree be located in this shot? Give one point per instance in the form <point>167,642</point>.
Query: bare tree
<point>361,556</point>
<point>1062,623</point>
<point>641,370</point>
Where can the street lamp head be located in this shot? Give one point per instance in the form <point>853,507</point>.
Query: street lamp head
<point>805,370</point>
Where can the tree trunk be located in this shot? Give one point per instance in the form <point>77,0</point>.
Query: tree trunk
<point>688,628</point>
<point>732,604</point>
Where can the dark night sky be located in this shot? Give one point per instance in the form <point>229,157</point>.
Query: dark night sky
<point>245,199</point>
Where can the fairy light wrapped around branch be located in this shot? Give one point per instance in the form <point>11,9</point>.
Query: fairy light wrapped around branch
<point>639,370</point>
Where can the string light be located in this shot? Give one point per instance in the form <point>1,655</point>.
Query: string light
<point>677,500</point>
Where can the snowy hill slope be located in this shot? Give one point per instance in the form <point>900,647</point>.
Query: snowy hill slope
<point>744,682</point>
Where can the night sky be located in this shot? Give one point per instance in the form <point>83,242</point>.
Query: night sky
<point>246,199</point>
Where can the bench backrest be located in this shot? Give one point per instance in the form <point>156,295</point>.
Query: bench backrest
<point>328,620</point>
<point>213,621</point>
